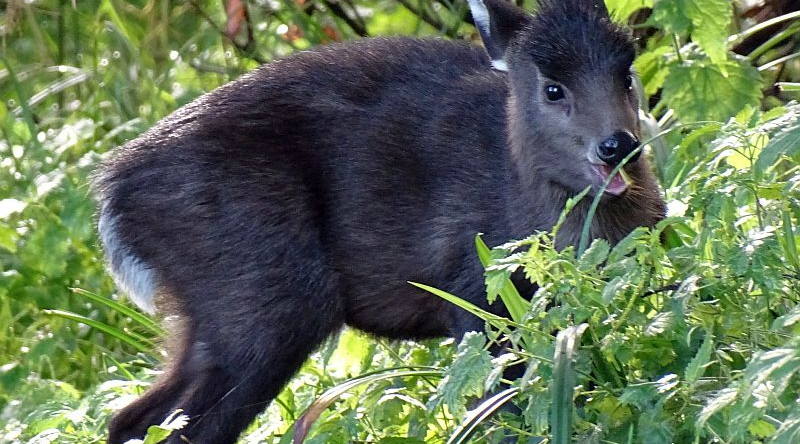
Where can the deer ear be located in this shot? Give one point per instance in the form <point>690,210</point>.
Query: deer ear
<point>497,22</point>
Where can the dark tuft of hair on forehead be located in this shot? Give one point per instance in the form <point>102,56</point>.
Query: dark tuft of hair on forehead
<point>570,38</point>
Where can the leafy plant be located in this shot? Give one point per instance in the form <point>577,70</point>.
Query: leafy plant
<point>686,341</point>
<point>690,329</point>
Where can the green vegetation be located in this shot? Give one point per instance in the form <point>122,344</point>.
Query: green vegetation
<point>686,333</point>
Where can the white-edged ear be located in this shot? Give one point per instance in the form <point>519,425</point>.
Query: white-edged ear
<point>480,15</point>
<point>497,22</point>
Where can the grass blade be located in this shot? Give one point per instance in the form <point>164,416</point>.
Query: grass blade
<point>788,241</point>
<point>587,224</point>
<point>124,310</point>
<point>312,413</point>
<point>138,342</point>
<point>564,376</point>
<point>477,416</point>
<point>495,321</point>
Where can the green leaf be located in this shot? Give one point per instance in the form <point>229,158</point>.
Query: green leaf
<point>653,426</point>
<point>699,90</point>
<point>466,376</point>
<point>788,86</point>
<point>789,431</point>
<point>791,318</point>
<point>49,433</point>
<point>777,366</point>
<point>48,245</point>
<point>696,367</point>
<point>710,20</point>
<point>706,20</point>
<point>661,323</point>
<point>761,429</point>
<point>156,434</point>
<point>670,15</point>
<point>789,241</point>
<point>723,399</point>
<point>622,9</point>
<point>652,68</point>
<point>500,283</point>
<point>698,135</point>
<point>303,424</point>
<point>595,255</point>
<point>774,113</point>
<point>613,288</point>
<point>639,395</point>
<point>8,238</point>
<point>785,143</point>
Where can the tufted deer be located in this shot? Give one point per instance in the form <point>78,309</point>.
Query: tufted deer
<point>304,196</point>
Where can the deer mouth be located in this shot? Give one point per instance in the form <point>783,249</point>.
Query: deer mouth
<point>617,185</point>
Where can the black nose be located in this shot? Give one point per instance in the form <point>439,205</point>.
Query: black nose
<point>617,147</point>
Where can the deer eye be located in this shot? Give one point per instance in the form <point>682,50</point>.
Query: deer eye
<point>628,82</point>
<point>554,93</point>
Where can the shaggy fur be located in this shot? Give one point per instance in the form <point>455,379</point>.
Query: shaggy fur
<point>304,196</point>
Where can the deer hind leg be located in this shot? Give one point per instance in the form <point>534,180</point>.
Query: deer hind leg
<point>157,403</point>
<point>246,335</point>
<point>250,362</point>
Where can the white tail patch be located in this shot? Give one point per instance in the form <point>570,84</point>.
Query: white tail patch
<point>130,273</point>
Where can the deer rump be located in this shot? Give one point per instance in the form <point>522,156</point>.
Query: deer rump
<point>304,196</point>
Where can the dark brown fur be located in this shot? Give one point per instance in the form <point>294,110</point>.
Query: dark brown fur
<point>303,197</point>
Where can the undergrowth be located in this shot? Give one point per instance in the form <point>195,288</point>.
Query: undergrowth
<point>684,333</point>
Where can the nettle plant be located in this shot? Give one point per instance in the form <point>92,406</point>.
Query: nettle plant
<point>683,333</point>
<point>687,332</point>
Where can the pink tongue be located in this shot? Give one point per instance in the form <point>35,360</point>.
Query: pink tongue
<point>617,184</point>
